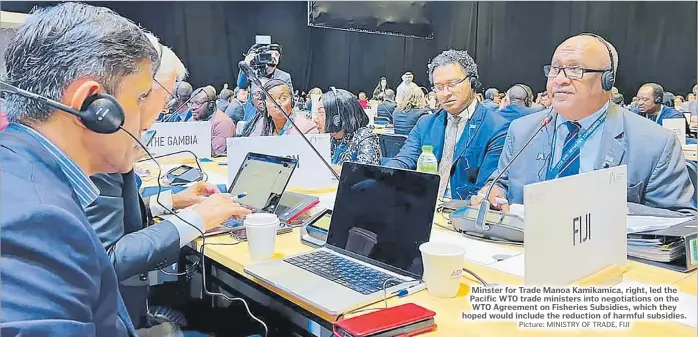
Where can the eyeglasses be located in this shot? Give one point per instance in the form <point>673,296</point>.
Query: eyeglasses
<point>450,86</point>
<point>572,73</point>
<point>195,105</point>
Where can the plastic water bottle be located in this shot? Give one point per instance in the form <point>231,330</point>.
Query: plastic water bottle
<point>427,161</point>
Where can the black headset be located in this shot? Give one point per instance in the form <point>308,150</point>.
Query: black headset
<point>608,77</point>
<point>210,97</point>
<point>528,101</point>
<point>475,84</point>
<point>657,92</point>
<point>100,113</point>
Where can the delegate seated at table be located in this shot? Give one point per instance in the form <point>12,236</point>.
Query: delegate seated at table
<point>658,181</point>
<point>467,137</point>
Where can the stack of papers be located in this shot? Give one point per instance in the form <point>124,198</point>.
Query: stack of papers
<point>656,249</point>
<point>639,224</point>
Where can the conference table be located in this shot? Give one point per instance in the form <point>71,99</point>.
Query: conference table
<point>228,263</point>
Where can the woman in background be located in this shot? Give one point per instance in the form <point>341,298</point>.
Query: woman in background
<point>432,102</point>
<point>409,110</point>
<point>347,122</point>
<point>379,91</point>
<point>269,120</point>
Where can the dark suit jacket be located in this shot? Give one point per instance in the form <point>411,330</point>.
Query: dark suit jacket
<point>56,278</point>
<point>385,109</point>
<point>119,217</point>
<point>404,121</point>
<point>476,154</point>
<point>515,111</point>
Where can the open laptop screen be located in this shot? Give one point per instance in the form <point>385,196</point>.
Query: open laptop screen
<point>384,214</point>
<point>264,179</point>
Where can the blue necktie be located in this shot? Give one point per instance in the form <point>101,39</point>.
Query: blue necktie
<point>571,167</point>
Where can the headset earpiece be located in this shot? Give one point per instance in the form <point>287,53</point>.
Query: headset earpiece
<point>102,113</point>
<point>474,83</point>
<point>608,78</point>
<point>658,96</point>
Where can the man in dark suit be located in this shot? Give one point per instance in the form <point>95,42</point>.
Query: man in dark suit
<point>57,279</point>
<point>518,100</point>
<point>649,105</point>
<point>123,220</point>
<point>491,99</point>
<point>387,106</point>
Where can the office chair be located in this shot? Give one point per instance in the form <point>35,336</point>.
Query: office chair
<point>390,145</point>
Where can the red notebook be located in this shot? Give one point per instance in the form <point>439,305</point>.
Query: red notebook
<point>403,320</point>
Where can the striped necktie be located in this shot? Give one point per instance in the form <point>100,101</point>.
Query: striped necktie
<point>572,165</point>
<point>447,155</point>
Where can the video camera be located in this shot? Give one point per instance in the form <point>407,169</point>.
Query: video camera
<point>263,56</point>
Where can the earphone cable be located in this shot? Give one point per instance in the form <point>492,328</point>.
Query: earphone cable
<point>203,241</point>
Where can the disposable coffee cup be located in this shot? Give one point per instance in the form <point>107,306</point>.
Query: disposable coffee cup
<point>261,235</point>
<point>443,267</point>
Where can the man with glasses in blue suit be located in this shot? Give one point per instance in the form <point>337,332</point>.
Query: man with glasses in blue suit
<point>466,137</point>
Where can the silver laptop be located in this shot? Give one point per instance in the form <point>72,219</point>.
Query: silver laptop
<point>380,218</point>
<point>263,178</point>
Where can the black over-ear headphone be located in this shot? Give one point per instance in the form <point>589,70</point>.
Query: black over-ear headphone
<point>101,113</point>
<point>210,97</point>
<point>657,92</point>
<point>474,83</point>
<point>608,78</point>
<point>528,101</point>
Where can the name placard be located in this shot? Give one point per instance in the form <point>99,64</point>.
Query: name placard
<point>568,241</point>
<point>677,126</point>
<point>173,137</point>
<point>310,173</point>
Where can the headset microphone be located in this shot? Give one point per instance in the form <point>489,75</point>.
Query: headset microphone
<point>485,205</point>
<point>100,113</point>
<point>251,75</point>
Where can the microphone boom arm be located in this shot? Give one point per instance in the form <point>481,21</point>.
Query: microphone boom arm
<point>485,205</point>
<point>252,76</point>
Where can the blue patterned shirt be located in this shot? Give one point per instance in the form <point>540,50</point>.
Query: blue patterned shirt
<point>84,188</point>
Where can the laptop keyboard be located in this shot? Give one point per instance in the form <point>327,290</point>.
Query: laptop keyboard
<point>355,276</point>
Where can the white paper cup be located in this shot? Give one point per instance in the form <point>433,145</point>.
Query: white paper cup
<point>443,267</point>
<point>261,235</point>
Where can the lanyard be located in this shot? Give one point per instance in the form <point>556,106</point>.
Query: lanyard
<point>659,115</point>
<point>285,128</point>
<point>567,156</point>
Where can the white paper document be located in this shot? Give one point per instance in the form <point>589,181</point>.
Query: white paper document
<point>484,253</point>
<point>641,223</point>
<point>514,266</point>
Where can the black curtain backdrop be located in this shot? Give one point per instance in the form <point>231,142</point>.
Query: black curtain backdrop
<point>511,41</point>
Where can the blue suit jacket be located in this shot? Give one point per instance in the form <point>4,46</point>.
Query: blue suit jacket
<point>515,111</point>
<point>119,218</point>
<point>490,105</point>
<point>671,113</point>
<point>56,277</point>
<point>658,181</point>
<point>477,151</point>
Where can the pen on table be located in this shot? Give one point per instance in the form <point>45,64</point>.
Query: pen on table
<point>411,290</point>
<point>238,197</point>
